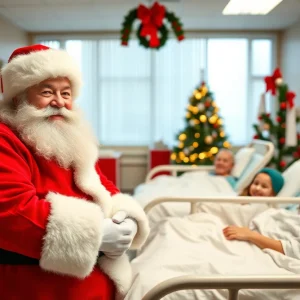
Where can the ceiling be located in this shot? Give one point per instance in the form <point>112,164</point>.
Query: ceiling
<point>107,15</point>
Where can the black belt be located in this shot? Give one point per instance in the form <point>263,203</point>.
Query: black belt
<point>13,258</point>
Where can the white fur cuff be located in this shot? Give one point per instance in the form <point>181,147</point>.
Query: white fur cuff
<point>134,210</point>
<point>73,236</point>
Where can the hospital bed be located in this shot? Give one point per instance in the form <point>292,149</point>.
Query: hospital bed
<point>156,277</point>
<point>196,181</point>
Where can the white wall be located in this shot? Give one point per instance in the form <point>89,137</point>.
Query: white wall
<point>290,54</point>
<point>11,37</point>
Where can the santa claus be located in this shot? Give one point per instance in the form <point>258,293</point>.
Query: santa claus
<point>64,227</point>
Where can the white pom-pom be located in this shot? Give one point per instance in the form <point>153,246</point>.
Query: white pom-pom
<point>192,122</point>
<point>278,81</point>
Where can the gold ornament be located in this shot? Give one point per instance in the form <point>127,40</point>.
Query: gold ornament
<point>266,126</point>
<point>204,90</point>
<point>203,118</point>
<point>208,139</point>
<point>182,137</point>
<point>226,144</point>
<point>195,145</point>
<point>202,155</point>
<point>180,145</point>
<point>222,134</point>
<point>198,95</point>
<point>173,156</point>
<point>188,115</point>
<point>214,150</point>
<point>197,135</point>
<point>186,160</point>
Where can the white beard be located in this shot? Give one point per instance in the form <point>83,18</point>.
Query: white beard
<point>70,142</point>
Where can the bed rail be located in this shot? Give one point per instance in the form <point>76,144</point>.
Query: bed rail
<point>174,169</point>
<point>238,200</point>
<point>232,283</point>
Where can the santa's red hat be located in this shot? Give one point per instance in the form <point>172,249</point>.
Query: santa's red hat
<point>28,66</point>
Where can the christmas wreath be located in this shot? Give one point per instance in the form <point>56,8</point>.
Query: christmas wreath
<point>152,32</point>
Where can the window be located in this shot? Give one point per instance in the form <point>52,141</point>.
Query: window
<point>137,97</point>
<point>227,66</point>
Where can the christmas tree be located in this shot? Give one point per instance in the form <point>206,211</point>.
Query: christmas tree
<point>282,131</point>
<point>204,134</point>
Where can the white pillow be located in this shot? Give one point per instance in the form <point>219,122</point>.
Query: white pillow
<point>291,177</point>
<point>241,160</point>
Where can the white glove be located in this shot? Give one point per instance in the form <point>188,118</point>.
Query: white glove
<point>117,238</point>
<point>120,217</point>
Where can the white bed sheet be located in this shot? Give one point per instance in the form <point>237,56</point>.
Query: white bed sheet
<point>190,184</point>
<point>195,245</point>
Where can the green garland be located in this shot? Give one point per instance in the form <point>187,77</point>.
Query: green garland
<point>127,26</point>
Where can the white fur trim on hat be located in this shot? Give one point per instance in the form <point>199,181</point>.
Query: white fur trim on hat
<point>27,70</point>
<point>73,236</point>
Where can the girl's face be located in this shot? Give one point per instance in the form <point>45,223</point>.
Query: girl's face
<point>261,186</point>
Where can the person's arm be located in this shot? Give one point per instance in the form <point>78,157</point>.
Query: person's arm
<point>245,234</point>
<point>263,242</point>
<point>63,233</point>
<point>132,209</point>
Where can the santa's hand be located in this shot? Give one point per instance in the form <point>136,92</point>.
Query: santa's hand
<point>117,238</point>
<point>119,216</point>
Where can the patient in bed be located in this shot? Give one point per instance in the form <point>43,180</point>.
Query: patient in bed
<point>223,163</point>
<point>267,183</point>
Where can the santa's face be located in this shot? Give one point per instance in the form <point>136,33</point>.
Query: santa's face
<point>47,120</point>
<point>55,92</point>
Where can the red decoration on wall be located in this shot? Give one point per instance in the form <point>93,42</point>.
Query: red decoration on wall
<point>290,96</point>
<point>152,32</point>
<point>152,19</point>
<point>271,81</point>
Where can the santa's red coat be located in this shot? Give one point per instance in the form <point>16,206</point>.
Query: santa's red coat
<point>55,215</point>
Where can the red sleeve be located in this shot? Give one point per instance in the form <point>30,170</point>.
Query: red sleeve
<point>107,183</point>
<point>23,216</point>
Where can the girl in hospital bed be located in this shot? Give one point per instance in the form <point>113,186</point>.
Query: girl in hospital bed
<point>267,183</point>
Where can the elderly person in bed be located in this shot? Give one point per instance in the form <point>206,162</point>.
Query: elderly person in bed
<point>223,163</point>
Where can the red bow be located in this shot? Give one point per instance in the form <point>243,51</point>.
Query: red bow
<point>152,19</point>
<point>290,99</point>
<point>270,81</point>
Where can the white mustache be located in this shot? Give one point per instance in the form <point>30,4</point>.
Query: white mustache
<point>48,111</point>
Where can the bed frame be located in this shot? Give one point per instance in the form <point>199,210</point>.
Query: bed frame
<point>232,283</point>
<point>262,147</point>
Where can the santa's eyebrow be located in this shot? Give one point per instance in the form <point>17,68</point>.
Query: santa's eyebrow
<point>49,86</point>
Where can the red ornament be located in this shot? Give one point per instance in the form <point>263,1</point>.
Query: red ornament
<point>124,43</point>
<point>298,136</point>
<point>216,125</point>
<point>279,119</point>
<point>296,155</point>
<point>283,105</point>
<point>290,99</point>
<point>270,81</point>
<point>181,37</point>
<point>268,115</point>
<point>255,137</point>
<point>260,117</point>
<point>282,164</point>
<point>282,140</point>
<point>152,19</point>
<point>207,104</point>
